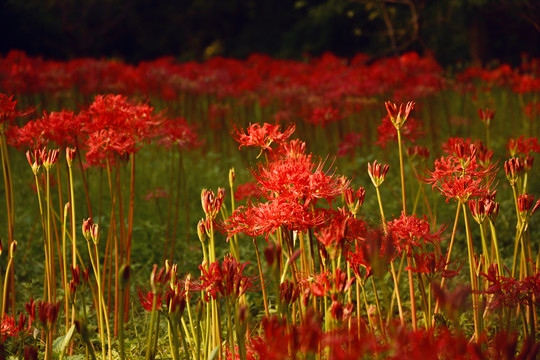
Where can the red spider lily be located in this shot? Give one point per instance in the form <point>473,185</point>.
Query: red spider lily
<point>483,208</point>
<point>354,200</point>
<point>90,230</point>
<point>102,145</point>
<point>453,302</point>
<point>226,279</point>
<point>49,158</point>
<point>513,168</point>
<point>459,176</point>
<point>147,299</point>
<point>340,312</point>
<point>377,173</point>
<point>290,179</point>
<point>486,115</point>
<point>292,149</point>
<point>399,116</point>
<point>525,206</point>
<point>410,231</point>
<point>507,291</point>
<point>266,218</point>
<point>179,133</point>
<point>70,155</point>
<point>35,159</point>
<point>248,191</point>
<point>388,132</point>
<point>418,151</point>
<point>373,253</point>
<point>505,346</point>
<point>30,308</point>
<point>262,137</point>
<point>523,146</point>
<point>324,115</point>
<point>289,292</point>
<point>211,203</point>
<point>332,235</point>
<point>117,127</point>
<point>272,253</point>
<point>274,345</point>
<point>483,156</point>
<point>48,312</point>
<point>450,146</point>
<point>349,144</point>
<point>9,112</point>
<point>9,327</point>
<point>157,193</point>
<point>308,336</point>
<point>528,162</point>
<point>79,278</point>
<point>432,264</point>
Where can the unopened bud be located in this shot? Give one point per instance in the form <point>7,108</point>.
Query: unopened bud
<point>232,177</point>
<point>124,276</point>
<point>201,230</point>
<point>70,155</point>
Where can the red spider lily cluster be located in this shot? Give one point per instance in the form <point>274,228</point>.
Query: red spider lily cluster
<point>332,285</point>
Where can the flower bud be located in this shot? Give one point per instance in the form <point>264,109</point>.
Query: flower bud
<point>377,173</point>
<point>201,230</point>
<point>70,155</point>
<point>232,177</point>
<point>398,116</point>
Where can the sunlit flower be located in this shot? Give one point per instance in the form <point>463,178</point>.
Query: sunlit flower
<point>262,136</point>
<point>409,231</point>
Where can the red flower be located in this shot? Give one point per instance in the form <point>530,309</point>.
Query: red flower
<point>211,203</point>
<point>377,173</point>
<point>262,137</point>
<point>9,112</point>
<point>177,132</point>
<point>486,115</point>
<point>248,191</point>
<point>410,231</point>
<point>226,279</point>
<point>265,218</point>
<point>523,146</point>
<point>324,115</point>
<point>354,199</point>
<point>399,116</point>
<point>48,312</point>
<point>147,299</point>
<point>290,179</point>
<point>432,264</point>
<point>460,176</point>
<point>8,327</point>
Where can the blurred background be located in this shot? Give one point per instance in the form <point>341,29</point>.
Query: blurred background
<point>455,31</point>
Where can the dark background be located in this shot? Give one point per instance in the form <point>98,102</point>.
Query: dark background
<point>454,31</point>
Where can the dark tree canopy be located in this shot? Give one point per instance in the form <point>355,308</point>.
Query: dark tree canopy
<point>453,30</point>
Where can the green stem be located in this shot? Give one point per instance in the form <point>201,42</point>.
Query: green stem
<point>402,173</point>
<point>474,283</point>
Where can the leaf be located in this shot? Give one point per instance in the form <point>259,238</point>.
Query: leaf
<point>214,353</point>
<point>62,342</point>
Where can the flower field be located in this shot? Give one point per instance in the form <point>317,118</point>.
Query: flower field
<point>269,209</point>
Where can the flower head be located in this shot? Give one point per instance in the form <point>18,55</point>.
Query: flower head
<point>262,136</point>
<point>399,116</point>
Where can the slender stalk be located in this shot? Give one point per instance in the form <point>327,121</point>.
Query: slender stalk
<point>411,289</point>
<point>474,282</point>
<point>402,172</point>
<point>263,288</point>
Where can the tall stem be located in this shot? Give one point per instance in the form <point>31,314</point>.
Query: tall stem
<point>474,282</point>
<point>402,172</point>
